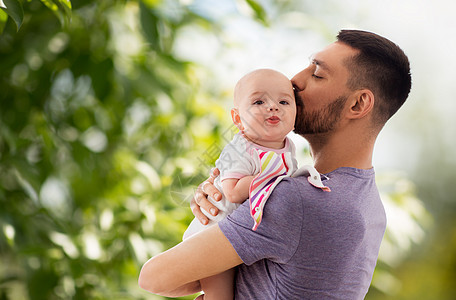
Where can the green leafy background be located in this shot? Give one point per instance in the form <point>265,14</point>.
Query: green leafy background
<point>105,131</point>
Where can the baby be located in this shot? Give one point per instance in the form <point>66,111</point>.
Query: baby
<point>257,158</point>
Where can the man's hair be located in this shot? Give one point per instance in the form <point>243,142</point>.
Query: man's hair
<point>380,66</point>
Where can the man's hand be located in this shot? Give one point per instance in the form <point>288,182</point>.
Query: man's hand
<point>205,189</point>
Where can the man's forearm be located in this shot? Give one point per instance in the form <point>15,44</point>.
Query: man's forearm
<point>185,290</point>
<point>177,271</point>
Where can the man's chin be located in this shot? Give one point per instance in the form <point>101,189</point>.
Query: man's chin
<point>306,133</point>
<point>303,134</point>
<point>301,131</point>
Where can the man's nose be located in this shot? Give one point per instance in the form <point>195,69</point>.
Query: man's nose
<point>299,81</point>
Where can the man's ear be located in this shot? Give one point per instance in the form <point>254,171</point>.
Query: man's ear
<point>362,103</point>
<point>236,119</point>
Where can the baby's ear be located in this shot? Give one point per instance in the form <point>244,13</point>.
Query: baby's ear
<point>236,119</point>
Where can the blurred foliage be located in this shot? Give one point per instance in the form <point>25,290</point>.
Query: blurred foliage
<point>429,270</point>
<point>14,9</point>
<point>97,118</point>
<point>104,132</point>
<point>407,223</point>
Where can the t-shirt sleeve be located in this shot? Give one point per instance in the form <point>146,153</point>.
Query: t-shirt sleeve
<point>277,236</point>
<point>235,162</point>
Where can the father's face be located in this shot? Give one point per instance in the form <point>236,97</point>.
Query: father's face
<point>321,91</point>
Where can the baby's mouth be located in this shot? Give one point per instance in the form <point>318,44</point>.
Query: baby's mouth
<point>273,120</point>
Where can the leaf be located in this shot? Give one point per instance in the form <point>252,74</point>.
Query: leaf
<point>149,23</point>
<point>66,4</point>
<point>15,11</point>
<point>65,7</point>
<point>259,11</point>
<point>3,19</point>
<point>61,8</point>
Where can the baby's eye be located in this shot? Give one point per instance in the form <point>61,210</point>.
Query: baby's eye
<point>258,102</point>
<point>284,102</point>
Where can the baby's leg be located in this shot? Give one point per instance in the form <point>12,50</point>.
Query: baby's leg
<point>219,287</point>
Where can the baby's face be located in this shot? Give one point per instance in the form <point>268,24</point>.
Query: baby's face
<point>266,106</point>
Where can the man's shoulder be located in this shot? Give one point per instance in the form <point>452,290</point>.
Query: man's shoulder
<point>290,186</point>
<point>290,193</point>
<point>346,185</point>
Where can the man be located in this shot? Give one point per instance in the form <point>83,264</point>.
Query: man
<point>310,244</point>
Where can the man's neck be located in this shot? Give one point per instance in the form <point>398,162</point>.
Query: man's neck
<point>340,150</point>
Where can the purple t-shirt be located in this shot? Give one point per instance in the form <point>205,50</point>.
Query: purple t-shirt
<point>311,244</point>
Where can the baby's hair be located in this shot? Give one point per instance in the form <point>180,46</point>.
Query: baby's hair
<point>245,78</point>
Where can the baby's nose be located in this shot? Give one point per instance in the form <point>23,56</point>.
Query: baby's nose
<point>273,106</point>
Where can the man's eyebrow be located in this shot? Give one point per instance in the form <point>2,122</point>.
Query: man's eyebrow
<point>319,63</point>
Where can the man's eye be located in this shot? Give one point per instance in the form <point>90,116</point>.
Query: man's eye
<point>316,76</point>
<point>258,102</point>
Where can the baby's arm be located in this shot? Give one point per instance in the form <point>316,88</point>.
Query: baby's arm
<point>237,190</point>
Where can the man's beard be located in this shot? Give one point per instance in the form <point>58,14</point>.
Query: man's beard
<point>321,121</point>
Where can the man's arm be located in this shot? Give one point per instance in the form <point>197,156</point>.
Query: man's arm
<point>175,272</point>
